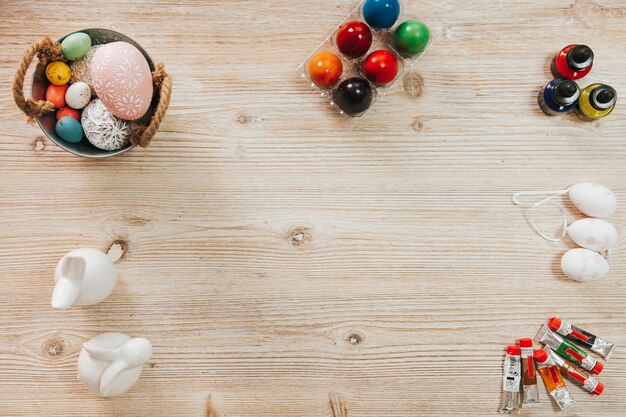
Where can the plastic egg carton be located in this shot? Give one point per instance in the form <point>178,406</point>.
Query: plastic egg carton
<point>357,66</point>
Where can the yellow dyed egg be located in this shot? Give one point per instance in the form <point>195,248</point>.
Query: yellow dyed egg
<point>58,73</point>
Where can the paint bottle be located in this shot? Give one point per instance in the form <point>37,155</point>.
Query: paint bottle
<point>596,102</point>
<point>573,62</point>
<point>559,96</point>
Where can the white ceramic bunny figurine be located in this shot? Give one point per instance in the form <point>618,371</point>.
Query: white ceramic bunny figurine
<point>83,276</point>
<point>111,363</point>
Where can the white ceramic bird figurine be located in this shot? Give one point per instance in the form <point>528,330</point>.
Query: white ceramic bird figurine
<point>111,363</point>
<point>83,276</point>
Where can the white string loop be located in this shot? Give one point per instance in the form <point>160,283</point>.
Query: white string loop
<point>529,210</point>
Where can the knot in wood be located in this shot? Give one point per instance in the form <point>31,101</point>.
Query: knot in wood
<point>298,236</point>
<point>39,144</point>
<point>117,249</point>
<point>54,347</point>
<point>413,84</point>
<point>244,119</point>
<point>354,338</point>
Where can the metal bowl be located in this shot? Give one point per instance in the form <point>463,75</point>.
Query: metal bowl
<point>48,120</point>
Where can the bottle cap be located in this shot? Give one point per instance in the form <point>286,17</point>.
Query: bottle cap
<point>526,342</point>
<point>599,389</point>
<point>580,57</point>
<point>603,97</point>
<point>598,368</point>
<point>513,350</point>
<point>540,356</point>
<point>554,324</point>
<point>566,92</point>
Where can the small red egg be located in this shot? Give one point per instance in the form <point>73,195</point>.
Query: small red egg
<point>354,39</point>
<point>381,67</point>
<point>69,112</point>
<point>55,94</point>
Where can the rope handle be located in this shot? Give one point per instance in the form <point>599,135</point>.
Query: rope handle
<point>48,51</point>
<point>142,135</point>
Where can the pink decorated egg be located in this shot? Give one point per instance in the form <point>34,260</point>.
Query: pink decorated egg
<point>122,79</point>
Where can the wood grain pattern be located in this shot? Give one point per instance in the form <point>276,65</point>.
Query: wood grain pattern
<point>275,252</point>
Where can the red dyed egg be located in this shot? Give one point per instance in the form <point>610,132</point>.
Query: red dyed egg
<point>69,112</point>
<point>381,67</point>
<point>55,94</point>
<point>354,39</point>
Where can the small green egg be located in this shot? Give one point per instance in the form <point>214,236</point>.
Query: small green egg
<point>69,129</point>
<point>411,37</point>
<point>76,46</point>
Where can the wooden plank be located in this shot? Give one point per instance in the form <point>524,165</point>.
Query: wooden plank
<point>285,261</point>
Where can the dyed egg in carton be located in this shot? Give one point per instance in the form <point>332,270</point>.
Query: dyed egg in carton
<point>366,55</point>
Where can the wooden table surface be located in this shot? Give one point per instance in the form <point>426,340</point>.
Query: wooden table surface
<point>285,261</point>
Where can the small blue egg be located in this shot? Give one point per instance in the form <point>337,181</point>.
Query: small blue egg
<point>69,129</point>
<point>381,14</point>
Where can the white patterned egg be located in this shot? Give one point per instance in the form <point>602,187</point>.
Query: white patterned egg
<point>102,129</point>
<point>122,80</point>
<point>594,200</point>
<point>584,265</point>
<point>594,234</point>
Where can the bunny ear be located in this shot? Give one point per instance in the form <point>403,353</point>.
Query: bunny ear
<point>101,353</point>
<point>73,267</point>
<point>67,289</point>
<point>109,375</point>
<point>65,293</point>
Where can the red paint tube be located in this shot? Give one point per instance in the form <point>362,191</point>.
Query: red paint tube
<point>530,390</point>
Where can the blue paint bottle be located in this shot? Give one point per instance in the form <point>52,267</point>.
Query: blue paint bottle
<point>558,97</point>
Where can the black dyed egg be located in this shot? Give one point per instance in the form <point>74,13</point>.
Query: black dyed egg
<point>353,96</point>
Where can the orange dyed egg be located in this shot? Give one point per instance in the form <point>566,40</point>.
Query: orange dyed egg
<point>325,69</point>
<point>55,94</point>
<point>68,111</point>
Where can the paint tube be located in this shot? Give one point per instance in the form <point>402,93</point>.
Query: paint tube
<point>512,379</point>
<point>592,342</point>
<point>589,383</point>
<point>530,390</point>
<point>568,350</point>
<point>553,380</point>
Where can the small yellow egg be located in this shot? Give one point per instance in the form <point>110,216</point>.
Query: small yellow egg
<point>58,73</point>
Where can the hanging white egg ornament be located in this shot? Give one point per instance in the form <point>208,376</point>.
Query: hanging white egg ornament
<point>102,129</point>
<point>593,234</point>
<point>592,199</point>
<point>78,95</point>
<point>122,80</point>
<point>584,265</point>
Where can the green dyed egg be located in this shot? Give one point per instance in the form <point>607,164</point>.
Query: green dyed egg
<point>76,46</point>
<point>411,37</point>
